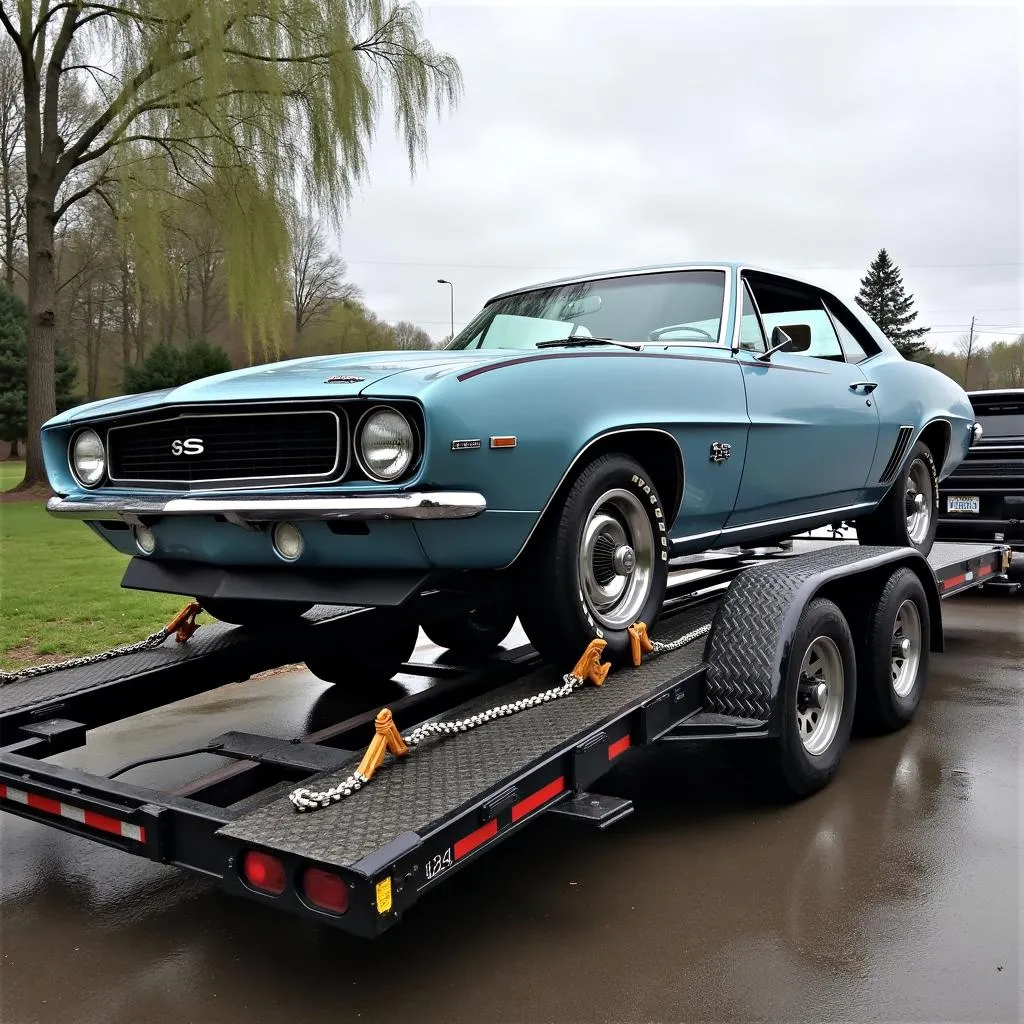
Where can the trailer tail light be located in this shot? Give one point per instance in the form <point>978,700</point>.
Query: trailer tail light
<point>263,872</point>
<point>325,890</point>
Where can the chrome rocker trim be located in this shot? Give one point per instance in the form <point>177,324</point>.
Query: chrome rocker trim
<point>412,505</point>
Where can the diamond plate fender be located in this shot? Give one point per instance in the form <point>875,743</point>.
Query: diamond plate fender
<point>748,649</point>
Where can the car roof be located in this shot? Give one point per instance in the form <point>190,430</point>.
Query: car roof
<point>734,265</point>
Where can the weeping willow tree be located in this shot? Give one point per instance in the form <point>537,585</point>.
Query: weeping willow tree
<point>254,101</point>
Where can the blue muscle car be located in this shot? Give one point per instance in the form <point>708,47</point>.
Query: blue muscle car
<point>549,463</point>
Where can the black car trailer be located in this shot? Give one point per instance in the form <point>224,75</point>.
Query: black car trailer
<point>761,646</point>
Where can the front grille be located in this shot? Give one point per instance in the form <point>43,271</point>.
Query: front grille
<point>983,468</point>
<point>234,448</point>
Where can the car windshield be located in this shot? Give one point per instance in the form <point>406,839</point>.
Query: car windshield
<point>676,306</point>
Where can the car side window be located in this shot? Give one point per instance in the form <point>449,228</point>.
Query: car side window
<point>751,336</point>
<point>787,304</point>
<point>857,344</point>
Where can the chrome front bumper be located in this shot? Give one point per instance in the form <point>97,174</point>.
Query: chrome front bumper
<point>413,505</point>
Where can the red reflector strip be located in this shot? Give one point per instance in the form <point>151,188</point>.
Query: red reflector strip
<point>954,581</point>
<point>469,843</point>
<point>534,800</point>
<point>91,819</point>
<point>618,747</point>
<point>985,570</point>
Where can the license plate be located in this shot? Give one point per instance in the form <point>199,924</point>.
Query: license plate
<point>963,504</point>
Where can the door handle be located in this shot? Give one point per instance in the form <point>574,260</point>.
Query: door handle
<point>866,385</point>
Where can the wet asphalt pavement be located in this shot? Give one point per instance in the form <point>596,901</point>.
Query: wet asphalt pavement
<point>893,895</point>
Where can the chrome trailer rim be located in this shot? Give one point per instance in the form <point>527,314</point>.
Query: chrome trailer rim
<point>919,502</point>
<point>819,700</point>
<point>906,648</point>
<point>616,559</point>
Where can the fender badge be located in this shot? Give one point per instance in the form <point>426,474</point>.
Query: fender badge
<point>344,380</point>
<point>461,446</point>
<point>720,451</point>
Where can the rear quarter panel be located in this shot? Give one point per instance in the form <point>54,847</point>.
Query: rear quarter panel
<point>916,395</point>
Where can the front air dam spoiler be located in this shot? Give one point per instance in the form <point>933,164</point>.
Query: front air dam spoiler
<point>387,588</point>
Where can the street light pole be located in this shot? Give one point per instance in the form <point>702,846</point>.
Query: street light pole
<point>441,280</point>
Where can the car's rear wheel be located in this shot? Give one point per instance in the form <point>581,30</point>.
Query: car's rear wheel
<point>908,515</point>
<point>255,614</point>
<point>598,565</point>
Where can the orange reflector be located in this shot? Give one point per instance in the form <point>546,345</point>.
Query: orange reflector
<point>503,442</point>
<point>263,872</point>
<point>325,890</point>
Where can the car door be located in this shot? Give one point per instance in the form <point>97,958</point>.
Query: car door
<point>813,422</point>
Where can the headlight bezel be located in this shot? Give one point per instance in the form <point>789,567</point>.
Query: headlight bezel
<point>416,447</point>
<point>73,462</point>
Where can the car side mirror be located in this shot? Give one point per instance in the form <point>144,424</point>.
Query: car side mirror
<point>791,338</point>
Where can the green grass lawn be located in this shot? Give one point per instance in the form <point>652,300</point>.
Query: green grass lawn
<point>60,590</point>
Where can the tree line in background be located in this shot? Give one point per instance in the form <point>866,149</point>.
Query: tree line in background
<point>151,155</point>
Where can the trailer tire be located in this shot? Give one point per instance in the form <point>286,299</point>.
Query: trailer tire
<point>369,651</point>
<point>908,515</point>
<point>610,527</point>
<point>254,614</point>
<point>894,664</point>
<point>815,725</point>
<point>475,634</point>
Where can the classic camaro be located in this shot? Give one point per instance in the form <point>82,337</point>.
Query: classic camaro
<point>550,462</point>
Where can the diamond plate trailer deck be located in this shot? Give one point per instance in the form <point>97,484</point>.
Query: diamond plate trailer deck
<point>423,816</point>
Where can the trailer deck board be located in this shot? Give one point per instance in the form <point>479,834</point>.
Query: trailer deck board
<point>446,772</point>
<point>256,651</point>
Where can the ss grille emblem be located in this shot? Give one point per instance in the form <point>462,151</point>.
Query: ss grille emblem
<point>190,446</point>
<point>720,451</point>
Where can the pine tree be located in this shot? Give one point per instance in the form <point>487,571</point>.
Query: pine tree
<point>882,297</point>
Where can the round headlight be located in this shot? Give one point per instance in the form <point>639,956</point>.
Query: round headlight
<point>386,444</point>
<point>87,458</point>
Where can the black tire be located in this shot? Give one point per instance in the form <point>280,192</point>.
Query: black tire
<point>475,634</point>
<point>891,685</point>
<point>369,650</point>
<point>256,614</point>
<point>801,771</point>
<point>889,524</point>
<point>556,608</point>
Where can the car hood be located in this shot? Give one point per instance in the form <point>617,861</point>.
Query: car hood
<point>314,377</point>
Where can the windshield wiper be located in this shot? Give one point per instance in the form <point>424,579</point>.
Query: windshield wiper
<point>579,342</point>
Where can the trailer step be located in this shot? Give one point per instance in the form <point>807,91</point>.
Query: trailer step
<point>594,809</point>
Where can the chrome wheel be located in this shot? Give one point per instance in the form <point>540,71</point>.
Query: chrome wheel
<point>819,697</point>
<point>906,648</point>
<point>616,559</point>
<point>920,501</point>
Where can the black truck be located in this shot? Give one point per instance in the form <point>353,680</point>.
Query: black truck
<point>983,499</point>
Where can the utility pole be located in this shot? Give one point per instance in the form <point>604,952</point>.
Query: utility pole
<point>441,280</point>
<point>970,345</point>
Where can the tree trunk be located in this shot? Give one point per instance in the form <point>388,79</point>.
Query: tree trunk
<point>8,229</point>
<point>42,330</point>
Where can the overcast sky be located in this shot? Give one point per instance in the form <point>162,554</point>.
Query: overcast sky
<point>802,137</point>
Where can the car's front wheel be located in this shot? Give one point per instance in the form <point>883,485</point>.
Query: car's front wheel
<point>598,565</point>
<point>908,515</point>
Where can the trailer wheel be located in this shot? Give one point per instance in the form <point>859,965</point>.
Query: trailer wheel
<point>475,634</point>
<point>368,651</point>
<point>599,564</point>
<point>817,700</point>
<point>909,514</point>
<point>894,666</point>
<point>257,614</point>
